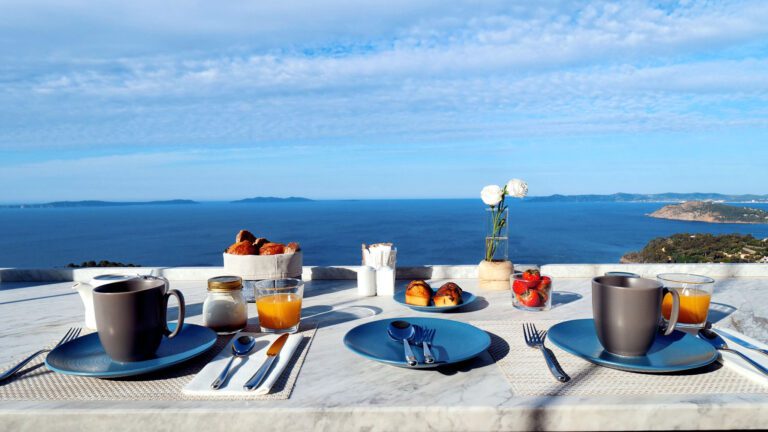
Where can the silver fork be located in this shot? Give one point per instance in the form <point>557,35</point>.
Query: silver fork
<point>535,339</point>
<point>72,334</point>
<point>425,339</point>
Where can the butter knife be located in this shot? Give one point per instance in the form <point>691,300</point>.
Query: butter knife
<point>263,371</point>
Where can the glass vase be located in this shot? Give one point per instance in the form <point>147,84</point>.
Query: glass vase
<point>497,235</point>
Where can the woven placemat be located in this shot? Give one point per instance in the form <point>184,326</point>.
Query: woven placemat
<point>528,375</point>
<point>36,382</point>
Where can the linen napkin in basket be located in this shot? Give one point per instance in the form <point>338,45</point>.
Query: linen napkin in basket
<point>243,368</point>
<point>736,363</point>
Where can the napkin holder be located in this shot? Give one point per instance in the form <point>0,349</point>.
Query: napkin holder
<point>382,259</point>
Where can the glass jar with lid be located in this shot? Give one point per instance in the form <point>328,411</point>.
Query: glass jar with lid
<point>225,310</point>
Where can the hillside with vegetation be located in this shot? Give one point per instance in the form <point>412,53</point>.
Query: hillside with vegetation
<point>669,197</point>
<point>701,248</point>
<point>705,211</point>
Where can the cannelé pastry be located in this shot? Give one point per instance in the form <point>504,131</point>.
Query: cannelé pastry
<point>448,295</point>
<point>418,293</point>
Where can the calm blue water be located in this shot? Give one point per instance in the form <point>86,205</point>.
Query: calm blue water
<point>425,232</point>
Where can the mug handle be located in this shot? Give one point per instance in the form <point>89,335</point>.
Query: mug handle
<point>675,310</point>
<point>151,276</point>
<point>180,324</point>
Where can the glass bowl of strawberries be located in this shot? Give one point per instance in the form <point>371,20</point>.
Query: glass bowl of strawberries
<point>531,291</point>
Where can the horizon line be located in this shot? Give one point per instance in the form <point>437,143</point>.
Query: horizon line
<point>217,200</point>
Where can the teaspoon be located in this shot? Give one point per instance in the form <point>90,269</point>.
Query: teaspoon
<point>403,331</point>
<point>240,348</point>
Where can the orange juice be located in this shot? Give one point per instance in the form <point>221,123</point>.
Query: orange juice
<point>694,305</point>
<point>279,311</point>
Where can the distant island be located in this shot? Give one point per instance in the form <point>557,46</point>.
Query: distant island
<point>93,203</point>
<point>701,248</point>
<point>102,263</point>
<point>662,197</point>
<point>270,200</point>
<point>704,211</point>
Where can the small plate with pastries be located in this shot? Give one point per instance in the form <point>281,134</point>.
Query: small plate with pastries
<point>421,297</point>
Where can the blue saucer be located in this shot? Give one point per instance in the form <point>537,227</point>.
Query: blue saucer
<point>454,342</point>
<point>466,298</point>
<point>85,355</point>
<point>677,352</point>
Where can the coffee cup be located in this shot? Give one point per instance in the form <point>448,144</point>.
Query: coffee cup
<point>131,317</point>
<point>627,312</point>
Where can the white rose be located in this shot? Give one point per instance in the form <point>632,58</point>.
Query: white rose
<point>517,188</point>
<point>491,195</point>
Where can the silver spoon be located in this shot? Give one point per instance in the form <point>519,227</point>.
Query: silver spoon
<point>719,344</point>
<point>240,348</point>
<point>403,331</point>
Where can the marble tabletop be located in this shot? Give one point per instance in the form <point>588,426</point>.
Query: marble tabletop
<point>338,390</point>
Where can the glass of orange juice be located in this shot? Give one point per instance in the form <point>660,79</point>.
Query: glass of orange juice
<point>695,294</point>
<point>278,303</point>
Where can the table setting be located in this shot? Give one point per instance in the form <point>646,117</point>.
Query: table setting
<point>649,344</point>
<point>318,372</point>
<point>134,344</point>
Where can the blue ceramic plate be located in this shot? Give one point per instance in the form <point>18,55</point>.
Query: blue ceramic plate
<point>454,342</point>
<point>676,352</point>
<point>466,298</point>
<point>85,356</point>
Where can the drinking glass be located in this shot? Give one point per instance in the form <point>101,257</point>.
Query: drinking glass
<point>531,296</point>
<point>695,294</point>
<point>278,303</point>
<point>249,290</point>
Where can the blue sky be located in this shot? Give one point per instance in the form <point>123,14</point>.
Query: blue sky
<point>382,99</point>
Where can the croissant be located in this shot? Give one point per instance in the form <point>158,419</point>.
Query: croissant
<point>292,247</point>
<point>272,249</point>
<point>242,248</point>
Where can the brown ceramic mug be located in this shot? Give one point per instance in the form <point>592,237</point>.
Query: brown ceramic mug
<point>131,317</point>
<point>627,312</point>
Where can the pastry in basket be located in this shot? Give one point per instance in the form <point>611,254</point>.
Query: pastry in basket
<point>272,249</point>
<point>292,247</point>
<point>418,293</point>
<point>259,242</point>
<point>245,235</point>
<point>448,295</point>
<point>242,248</point>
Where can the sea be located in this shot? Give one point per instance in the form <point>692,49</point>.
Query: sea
<point>331,232</point>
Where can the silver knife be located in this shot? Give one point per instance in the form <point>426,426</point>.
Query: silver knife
<point>743,343</point>
<point>263,371</point>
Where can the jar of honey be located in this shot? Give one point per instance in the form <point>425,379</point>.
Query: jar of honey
<point>225,310</point>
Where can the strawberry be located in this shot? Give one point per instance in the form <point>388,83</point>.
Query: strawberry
<point>532,275</point>
<point>544,294</point>
<point>546,283</point>
<point>530,298</point>
<point>520,286</point>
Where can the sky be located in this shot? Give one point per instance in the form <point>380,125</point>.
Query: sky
<point>333,99</point>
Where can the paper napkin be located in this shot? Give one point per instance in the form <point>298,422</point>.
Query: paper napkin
<point>243,368</point>
<point>738,364</point>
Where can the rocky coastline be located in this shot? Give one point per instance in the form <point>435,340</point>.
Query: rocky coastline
<point>710,212</point>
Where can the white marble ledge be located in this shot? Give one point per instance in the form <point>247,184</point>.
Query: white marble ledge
<point>204,273</point>
<point>717,271</point>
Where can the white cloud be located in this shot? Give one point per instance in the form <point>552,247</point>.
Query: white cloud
<point>264,74</point>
